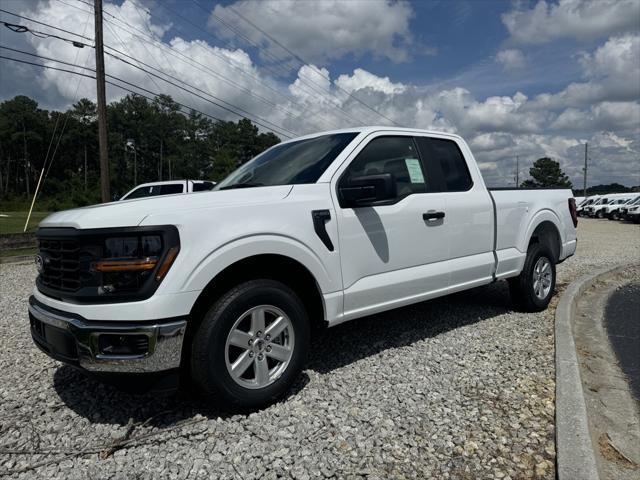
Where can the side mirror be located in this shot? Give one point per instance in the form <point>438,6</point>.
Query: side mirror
<point>367,190</point>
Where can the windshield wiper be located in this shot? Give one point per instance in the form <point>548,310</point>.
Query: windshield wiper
<point>241,185</point>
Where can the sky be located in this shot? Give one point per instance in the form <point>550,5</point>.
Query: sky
<point>514,78</point>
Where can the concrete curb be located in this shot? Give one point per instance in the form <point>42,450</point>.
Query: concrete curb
<point>575,455</point>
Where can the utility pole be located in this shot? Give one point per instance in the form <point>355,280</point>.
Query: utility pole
<point>160,164</point>
<point>102,104</point>
<point>584,185</point>
<point>517,172</point>
<point>85,167</point>
<point>26,160</point>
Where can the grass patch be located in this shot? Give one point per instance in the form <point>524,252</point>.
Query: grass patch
<point>16,252</point>
<point>14,221</point>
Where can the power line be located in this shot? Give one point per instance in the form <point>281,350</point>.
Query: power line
<point>313,86</point>
<point>238,68</point>
<point>305,62</point>
<point>230,82</point>
<point>244,113</point>
<point>231,108</point>
<point>114,78</point>
<point>46,25</point>
<point>194,87</point>
<point>242,71</point>
<point>133,58</point>
<point>23,29</point>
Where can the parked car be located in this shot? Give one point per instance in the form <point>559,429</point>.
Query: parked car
<point>633,214</point>
<point>629,211</point>
<point>224,287</point>
<point>612,210</point>
<point>580,209</point>
<point>170,187</point>
<point>598,209</point>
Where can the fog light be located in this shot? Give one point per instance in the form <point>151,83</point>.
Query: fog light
<point>114,344</point>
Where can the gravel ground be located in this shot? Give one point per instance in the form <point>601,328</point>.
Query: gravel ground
<point>461,387</point>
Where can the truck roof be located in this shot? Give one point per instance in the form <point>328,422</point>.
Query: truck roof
<point>371,129</point>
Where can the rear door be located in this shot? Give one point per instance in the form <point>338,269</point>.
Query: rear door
<point>390,253</point>
<point>469,222</point>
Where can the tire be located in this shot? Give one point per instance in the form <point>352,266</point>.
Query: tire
<point>600,214</point>
<point>615,215</point>
<point>522,287</point>
<point>214,350</point>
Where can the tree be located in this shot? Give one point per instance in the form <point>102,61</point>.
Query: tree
<point>148,140</point>
<point>606,189</point>
<point>23,126</point>
<point>547,173</point>
<point>85,114</point>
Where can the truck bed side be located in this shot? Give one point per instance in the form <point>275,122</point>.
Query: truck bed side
<point>522,214</point>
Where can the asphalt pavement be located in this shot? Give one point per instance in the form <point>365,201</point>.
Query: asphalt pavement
<point>622,320</point>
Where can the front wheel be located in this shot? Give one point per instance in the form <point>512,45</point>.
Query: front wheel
<point>251,345</point>
<point>600,214</point>
<point>531,291</point>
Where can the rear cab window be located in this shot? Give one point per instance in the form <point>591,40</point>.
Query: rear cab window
<point>445,163</point>
<point>154,190</point>
<point>171,188</point>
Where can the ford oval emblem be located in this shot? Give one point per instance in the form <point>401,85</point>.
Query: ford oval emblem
<point>39,263</point>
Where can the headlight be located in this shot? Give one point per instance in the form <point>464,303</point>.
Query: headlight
<point>128,263</point>
<point>93,265</point>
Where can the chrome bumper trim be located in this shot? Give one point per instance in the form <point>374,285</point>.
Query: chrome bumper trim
<point>165,343</point>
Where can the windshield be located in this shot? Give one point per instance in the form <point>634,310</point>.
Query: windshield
<point>301,161</point>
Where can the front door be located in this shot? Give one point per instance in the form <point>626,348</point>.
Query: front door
<point>394,253</point>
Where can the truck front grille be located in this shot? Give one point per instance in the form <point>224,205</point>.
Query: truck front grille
<point>60,264</point>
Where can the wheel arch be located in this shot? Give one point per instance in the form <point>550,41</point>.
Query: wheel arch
<point>546,232</point>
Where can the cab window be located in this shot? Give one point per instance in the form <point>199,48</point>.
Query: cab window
<point>396,155</point>
<point>446,164</point>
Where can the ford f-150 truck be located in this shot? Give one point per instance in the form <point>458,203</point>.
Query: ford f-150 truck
<point>224,287</point>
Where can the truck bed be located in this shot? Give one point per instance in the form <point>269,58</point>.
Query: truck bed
<point>516,210</point>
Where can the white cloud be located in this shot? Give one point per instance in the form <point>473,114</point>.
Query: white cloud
<point>320,30</point>
<point>362,79</point>
<point>612,72</point>
<point>619,57</point>
<point>602,109</point>
<point>511,59</point>
<point>619,116</point>
<point>579,19</point>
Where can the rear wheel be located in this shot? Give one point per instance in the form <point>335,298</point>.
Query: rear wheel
<point>251,345</point>
<point>531,291</point>
<point>614,215</point>
<point>600,213</point>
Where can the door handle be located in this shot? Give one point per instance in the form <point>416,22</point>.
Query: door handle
<point>432,216</point>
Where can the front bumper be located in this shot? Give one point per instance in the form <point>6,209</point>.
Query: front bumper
<point>153,346</point>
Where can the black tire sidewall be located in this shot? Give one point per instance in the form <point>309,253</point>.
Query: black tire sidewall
<point>208,364</point>
<point>522,286</point>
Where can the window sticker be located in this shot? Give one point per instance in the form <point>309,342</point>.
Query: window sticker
<point>415,172</point>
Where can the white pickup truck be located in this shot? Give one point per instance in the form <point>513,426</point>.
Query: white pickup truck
<point>169,187</point>
<point>224,287</point>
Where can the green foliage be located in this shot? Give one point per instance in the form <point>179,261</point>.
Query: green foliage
<point>148,141</point>
<point>605,189</point>
<point>546,173</point>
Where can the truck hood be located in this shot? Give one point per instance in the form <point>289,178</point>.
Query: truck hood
<point>130,213</point>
